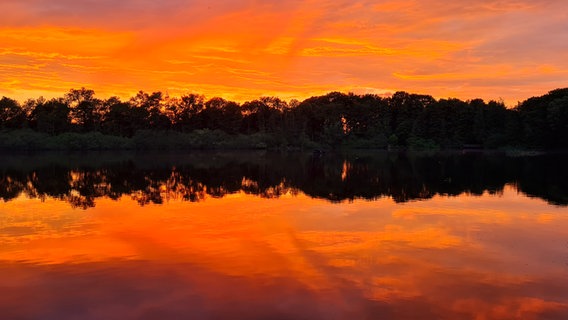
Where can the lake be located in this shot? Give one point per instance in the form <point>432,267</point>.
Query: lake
<point>259,235</point>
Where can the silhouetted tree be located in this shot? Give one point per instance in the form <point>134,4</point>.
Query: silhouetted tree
<point>51,116</point>
<point>184,112</point>
<point>85,110</point>
<point>12,116</point>
<point>148,110</point>
<point>221,114</point>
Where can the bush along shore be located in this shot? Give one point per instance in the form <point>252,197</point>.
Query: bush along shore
<point>80,121</point>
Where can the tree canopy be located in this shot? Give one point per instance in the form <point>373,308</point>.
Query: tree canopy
<point>332,120</point>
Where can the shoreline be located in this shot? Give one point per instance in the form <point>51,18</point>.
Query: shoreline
<point>26,140</point>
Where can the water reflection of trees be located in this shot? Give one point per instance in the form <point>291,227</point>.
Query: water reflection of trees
<point>403,177</point>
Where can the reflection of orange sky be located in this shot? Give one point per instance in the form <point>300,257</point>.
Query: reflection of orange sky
<point>293,49</point>
<point>443,251</point>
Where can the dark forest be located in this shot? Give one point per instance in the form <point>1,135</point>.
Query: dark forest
<point>80,121</point>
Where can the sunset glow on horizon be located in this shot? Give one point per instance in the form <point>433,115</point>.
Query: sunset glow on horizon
<point>241,50</point>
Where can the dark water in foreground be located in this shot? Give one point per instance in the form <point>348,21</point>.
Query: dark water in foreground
<point>295,236</point>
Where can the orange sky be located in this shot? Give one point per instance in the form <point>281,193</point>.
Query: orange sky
<point>500,49</point>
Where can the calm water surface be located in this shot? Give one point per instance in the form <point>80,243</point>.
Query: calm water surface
<point>295,236</point>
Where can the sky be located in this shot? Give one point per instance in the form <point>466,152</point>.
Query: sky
<point>506,50</point>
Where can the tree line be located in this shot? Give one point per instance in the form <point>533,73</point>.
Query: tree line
<point>334,120</point>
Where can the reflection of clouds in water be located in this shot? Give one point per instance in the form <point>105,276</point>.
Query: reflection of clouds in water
<point>135,290</point>
<point>150,290</point>
<point>24,220</point>
<point>288,258</point>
